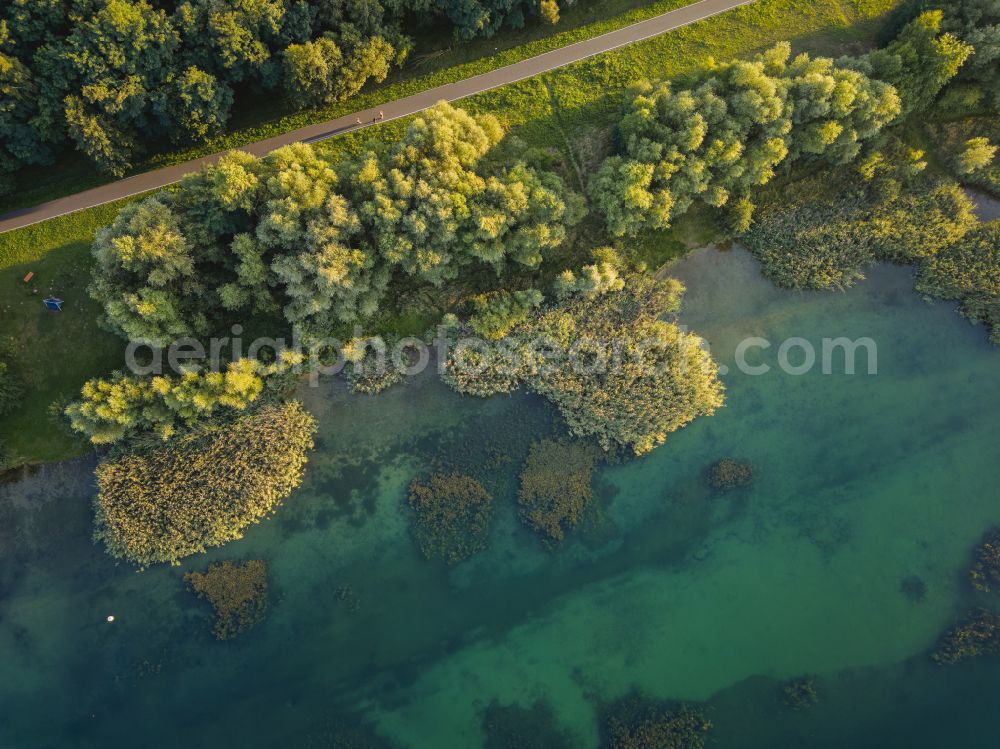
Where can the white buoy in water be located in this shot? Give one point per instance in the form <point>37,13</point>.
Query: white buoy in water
<point>111,617</point>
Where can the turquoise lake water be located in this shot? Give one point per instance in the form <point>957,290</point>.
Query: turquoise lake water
<point>861,482</point>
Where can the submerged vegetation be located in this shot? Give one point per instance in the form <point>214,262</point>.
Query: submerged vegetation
<point>237,592</point>
<point>637,722</point>
<point>368,369</point>
<point>914,588</point>
<point>977,634</point>
<point>729,474</point>
<point>800,693</point>
<point>452,514</point>
<point>556,486</point>
<point>203,489</point>
<point>517,727</point>
<point>985,572</point>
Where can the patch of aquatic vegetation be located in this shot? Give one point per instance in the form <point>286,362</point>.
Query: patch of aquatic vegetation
<point>367,372</point>
<point>978,634</point>
<point>823,231</point>
<point>968,272</point>
<point>728,474</point>
<point>335,735</point>
<point>489,449</point>
<point>452,514</point>
<point>800,693</point>
<point>637,722</point>
<point>662,378</point>
<point>346,595</point>
<point>556,486</point>
<point>913,588</point>
<point>162,502</point>
<point>237,592</point>
<point>985,571</point>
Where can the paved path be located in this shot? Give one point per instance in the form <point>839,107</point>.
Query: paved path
<point>399,108</point>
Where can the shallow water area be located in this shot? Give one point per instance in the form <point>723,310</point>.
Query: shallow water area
<point>861,481</point>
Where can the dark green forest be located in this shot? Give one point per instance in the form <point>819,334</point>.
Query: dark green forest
<point>108,77</point>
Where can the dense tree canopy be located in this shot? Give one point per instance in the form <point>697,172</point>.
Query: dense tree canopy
<point>730,131</point>
<point>319,241</point>
<point>318,72</point>
<point>99,82</point>
<point>145,275</point>
<point>977,23</point>
<point>473,18</point>
<point>125,405</point>
<point>976,154</point>
<point>430,209</point>
<point>314,243</point>
<point>21,141</point>
<point>110,77</point>
<point>203,489</point>
<point>918,63</point>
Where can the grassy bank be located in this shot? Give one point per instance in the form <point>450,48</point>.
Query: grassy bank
<point>53,352</point>
<point>569,111</point>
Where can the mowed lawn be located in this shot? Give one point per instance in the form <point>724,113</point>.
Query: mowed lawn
<point>571,111</point>
<point>52,352</point>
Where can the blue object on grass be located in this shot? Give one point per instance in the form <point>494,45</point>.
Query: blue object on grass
<point>53,304</point>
